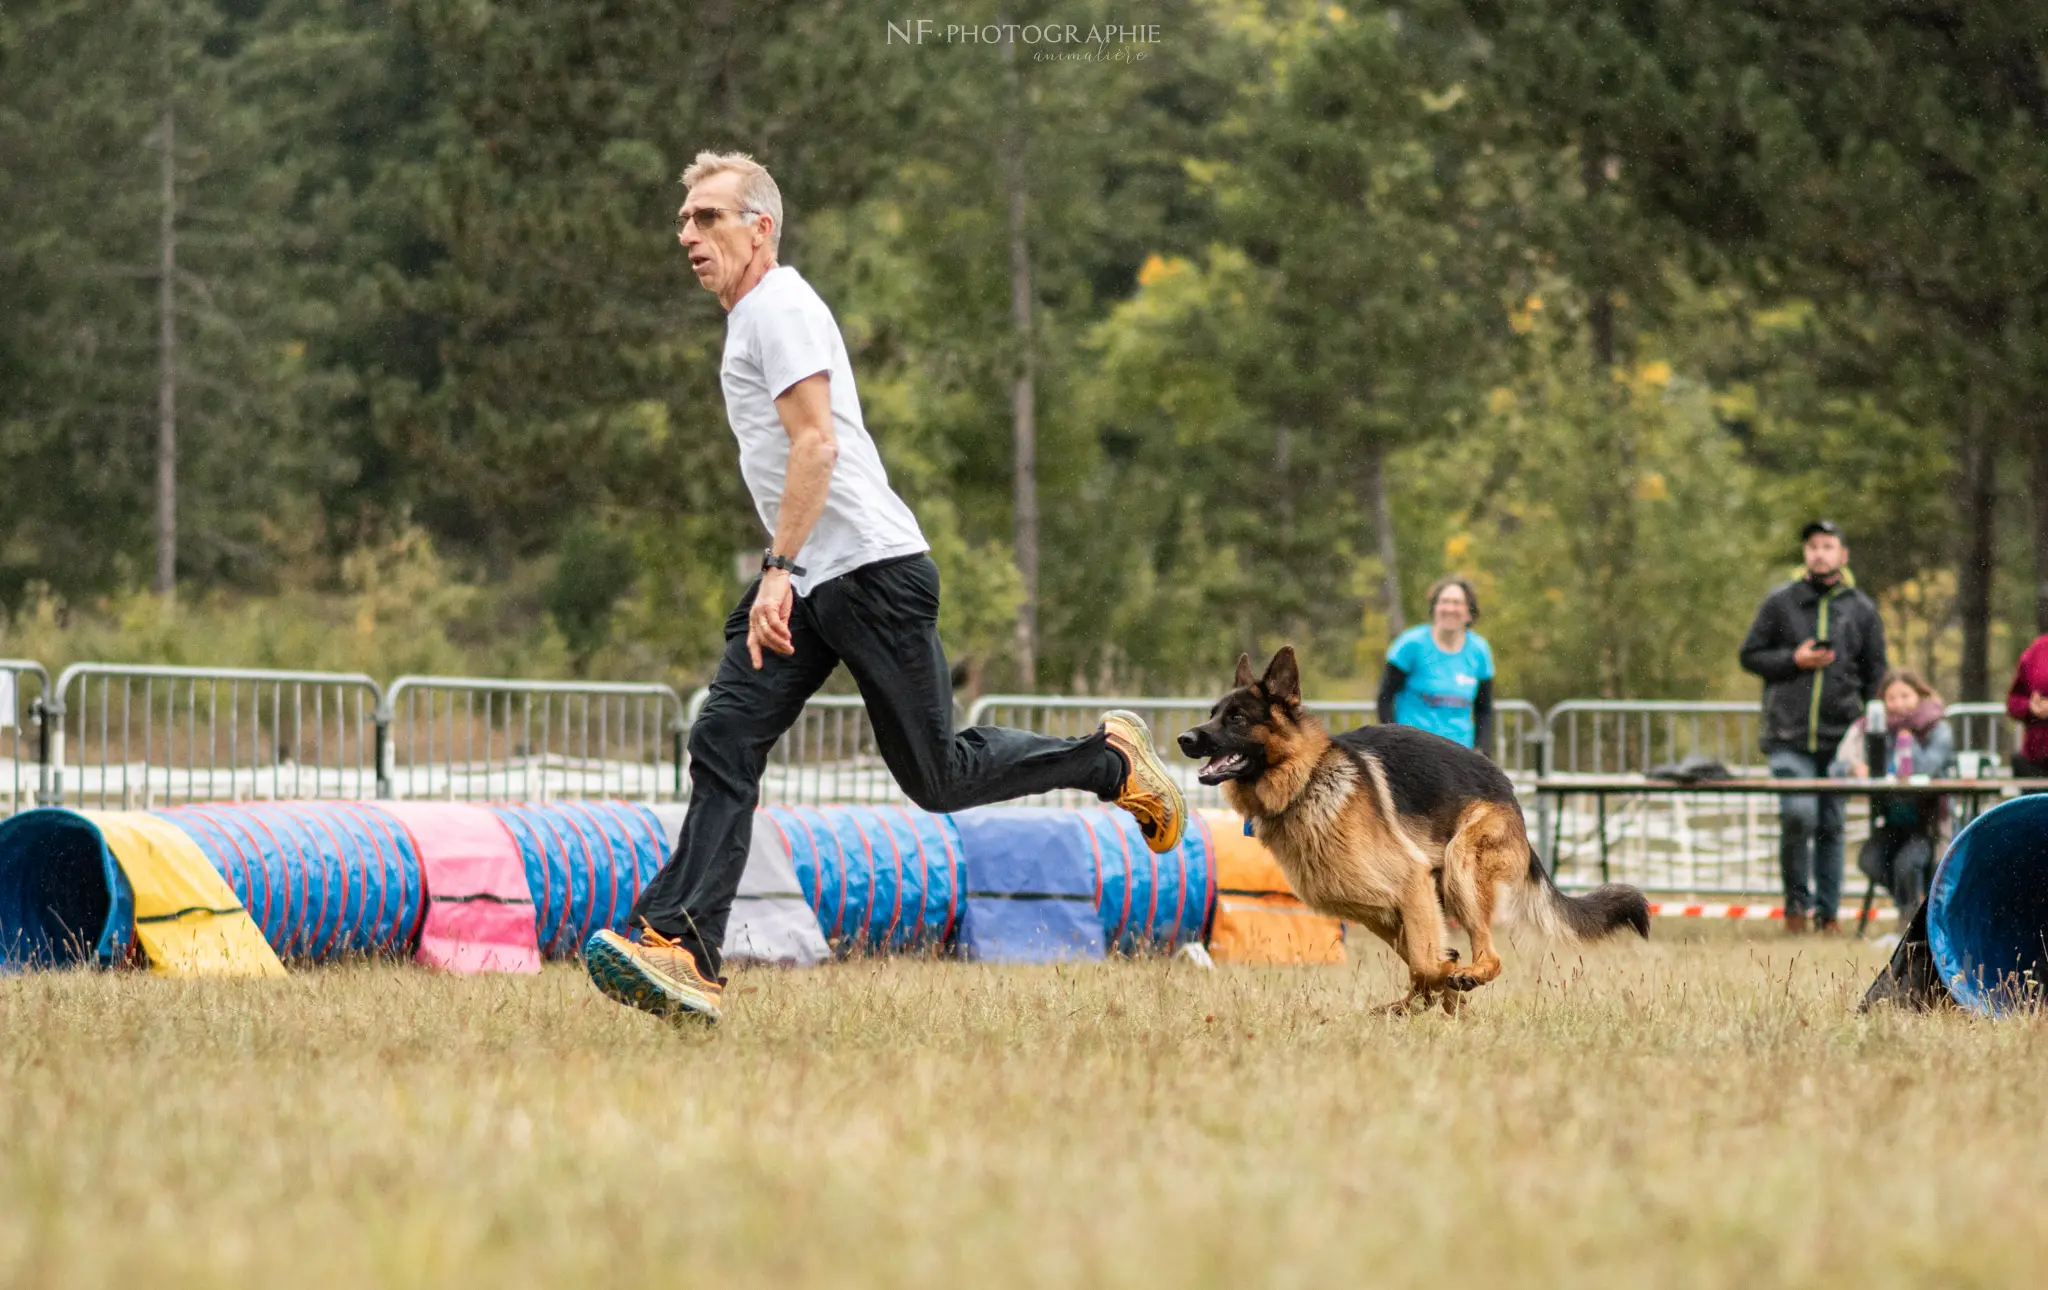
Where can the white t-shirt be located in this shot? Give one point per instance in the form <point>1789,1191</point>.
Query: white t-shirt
<point>778,334</point>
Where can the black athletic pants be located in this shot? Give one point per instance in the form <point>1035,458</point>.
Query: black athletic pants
<point>882,621</point>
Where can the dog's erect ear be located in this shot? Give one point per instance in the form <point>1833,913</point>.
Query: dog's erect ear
<point>1282,683</point>
<point>1244,673</point>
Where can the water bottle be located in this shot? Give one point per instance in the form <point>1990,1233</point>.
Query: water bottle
<point>1874,738</point>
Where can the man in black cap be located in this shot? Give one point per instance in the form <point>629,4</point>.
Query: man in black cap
<point>1818,643</point>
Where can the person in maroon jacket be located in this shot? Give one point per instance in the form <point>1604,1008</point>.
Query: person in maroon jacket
<point>2027,703</point>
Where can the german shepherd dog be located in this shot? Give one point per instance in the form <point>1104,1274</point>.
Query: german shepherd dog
<point>1391,828</point>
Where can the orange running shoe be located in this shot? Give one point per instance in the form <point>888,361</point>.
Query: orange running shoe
<point>1149,792</point>
<point>656,975</point>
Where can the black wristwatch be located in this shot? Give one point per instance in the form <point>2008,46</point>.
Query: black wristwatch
<point>770,560</point>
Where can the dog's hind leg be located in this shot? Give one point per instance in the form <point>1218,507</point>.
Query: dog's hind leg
<point>1487,849</point>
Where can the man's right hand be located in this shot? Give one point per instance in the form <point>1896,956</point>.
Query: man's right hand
<point>2037,704</point>
<point>1810,657</point>
<point>768,621</point>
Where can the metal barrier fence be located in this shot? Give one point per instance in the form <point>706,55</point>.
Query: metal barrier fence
<point>1518,737</point>
<point>24,734</point>
<point>128,737</point>
<point>1518,729</point>
<point>1619,736</point>
<point>830,754</point>
<point>828,757</point>
<point>106,735</point>
<point>1070,718</point>
<point>467,738</point>
<point>1984,727</point>
<point>1625,736</point>
<point>1707,844</point>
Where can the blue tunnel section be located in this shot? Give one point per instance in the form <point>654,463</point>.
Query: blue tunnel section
<point>321,879</point>
<point>585,864</point>
<point>1034,878</point>
<point>63,899</point>
<point>1151,902</point>
<point>1046,885</point>
<point>881,879</point>
<point>1987,914</point>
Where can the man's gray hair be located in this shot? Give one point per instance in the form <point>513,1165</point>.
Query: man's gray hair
<point>757,187</point>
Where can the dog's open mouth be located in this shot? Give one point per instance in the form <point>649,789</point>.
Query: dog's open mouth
<point>1221,767</point>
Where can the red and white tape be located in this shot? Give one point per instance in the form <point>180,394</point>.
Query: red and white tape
<point>1668,909</point>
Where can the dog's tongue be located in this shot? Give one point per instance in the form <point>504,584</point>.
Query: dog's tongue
<point>1219,764</point>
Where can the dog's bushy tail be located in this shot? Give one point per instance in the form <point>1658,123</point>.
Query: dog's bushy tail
<point>1604,910</point>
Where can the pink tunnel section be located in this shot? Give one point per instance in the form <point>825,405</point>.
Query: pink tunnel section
<point>479,909</point>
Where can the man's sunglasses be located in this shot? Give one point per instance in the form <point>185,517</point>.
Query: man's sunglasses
<point>706,216</point>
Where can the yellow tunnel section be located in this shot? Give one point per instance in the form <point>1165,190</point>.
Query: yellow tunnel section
<point>187,919</point>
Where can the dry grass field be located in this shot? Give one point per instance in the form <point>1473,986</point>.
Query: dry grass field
<point>1705,1111</point>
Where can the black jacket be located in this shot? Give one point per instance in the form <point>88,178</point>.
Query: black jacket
<point>1811,711</point>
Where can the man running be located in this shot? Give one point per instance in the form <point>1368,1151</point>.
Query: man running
<point>847,578</point>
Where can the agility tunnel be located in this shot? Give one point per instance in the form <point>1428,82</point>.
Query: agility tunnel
<point>1980,939</point>
<point>238,887</point>
<point>100,888</point>
<point>585,864</point>
<point>1151,902</point>
<point>228,888</point>
<point>879,879</point>
<point>440,880</point>
<point>1046,885</point>
<point>1987,909</point>
<point>1031,886</point>
<point>1259,920</point>
<point>242,887</point>
<point>479,915</point>
<point>63,899</point>
<point>772,920</point>
<point>320,879</point>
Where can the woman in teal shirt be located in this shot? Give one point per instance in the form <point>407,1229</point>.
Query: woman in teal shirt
<point>1439,676</point>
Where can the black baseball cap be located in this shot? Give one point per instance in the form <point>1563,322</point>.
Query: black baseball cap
<point>1828,527</point>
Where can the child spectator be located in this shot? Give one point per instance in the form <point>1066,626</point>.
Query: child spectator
<point>1903,830</point>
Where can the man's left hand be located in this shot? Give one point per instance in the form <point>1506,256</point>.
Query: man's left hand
<point>768,620</point>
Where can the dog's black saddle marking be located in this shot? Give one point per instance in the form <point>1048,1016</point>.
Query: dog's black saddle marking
<point>1430,776</point>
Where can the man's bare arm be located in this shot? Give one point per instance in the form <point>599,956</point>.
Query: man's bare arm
<point>806,412</point>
